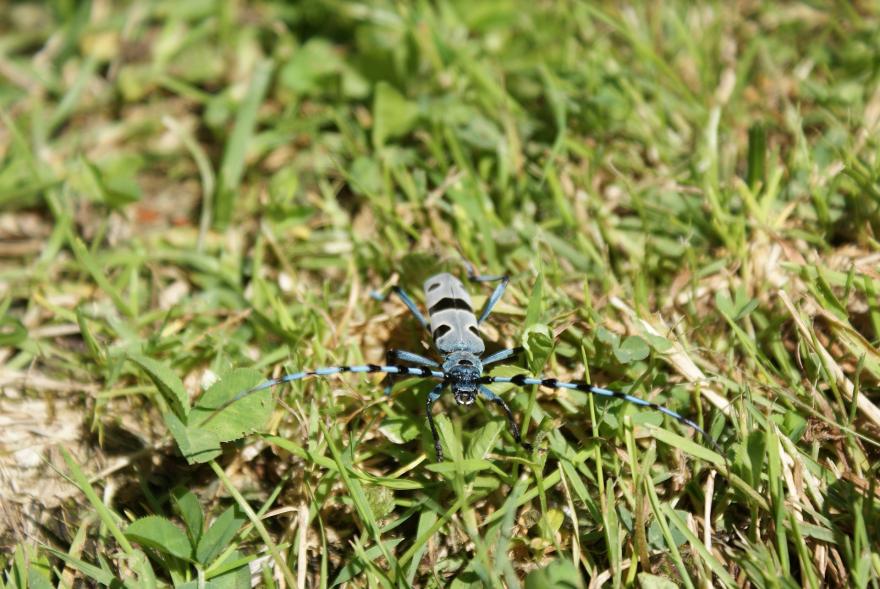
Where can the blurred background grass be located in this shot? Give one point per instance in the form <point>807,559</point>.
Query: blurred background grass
<point>685,195</point>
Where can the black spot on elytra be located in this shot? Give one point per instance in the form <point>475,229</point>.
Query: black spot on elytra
<point>441,331</point>
<point>450,303</point>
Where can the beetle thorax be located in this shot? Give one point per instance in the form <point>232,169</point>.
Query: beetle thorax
<point>463,371</point>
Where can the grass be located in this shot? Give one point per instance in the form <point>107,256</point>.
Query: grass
<point>196,195</point>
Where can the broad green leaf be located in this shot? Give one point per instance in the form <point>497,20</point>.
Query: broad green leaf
<point>307,70</point>
<point>794,425</point>
<point>246,415</point>
<point>607,337</point>
<point>393,114</point>
<point>551,522</point>
<point>317,68</point>
<point>160,534</point>
<point>366,176</point>
<point>538,343</point>
<point>166,381</point>
<point>197,445</point>
<point>485,439</point>
<point>449,441</point>
<point>400,430</point>
<point>116,185</point>
<point>659,343</point>
<point>632,349</point>
<point>219,534</point>
<point>37,578</point>
<point>190,510</point>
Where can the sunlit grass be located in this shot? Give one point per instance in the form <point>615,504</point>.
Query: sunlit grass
<point>685,197</point>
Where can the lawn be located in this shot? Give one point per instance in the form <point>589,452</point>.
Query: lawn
<point>196,196</point>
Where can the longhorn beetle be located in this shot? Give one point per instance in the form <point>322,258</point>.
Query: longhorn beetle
<point>454,329</point>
